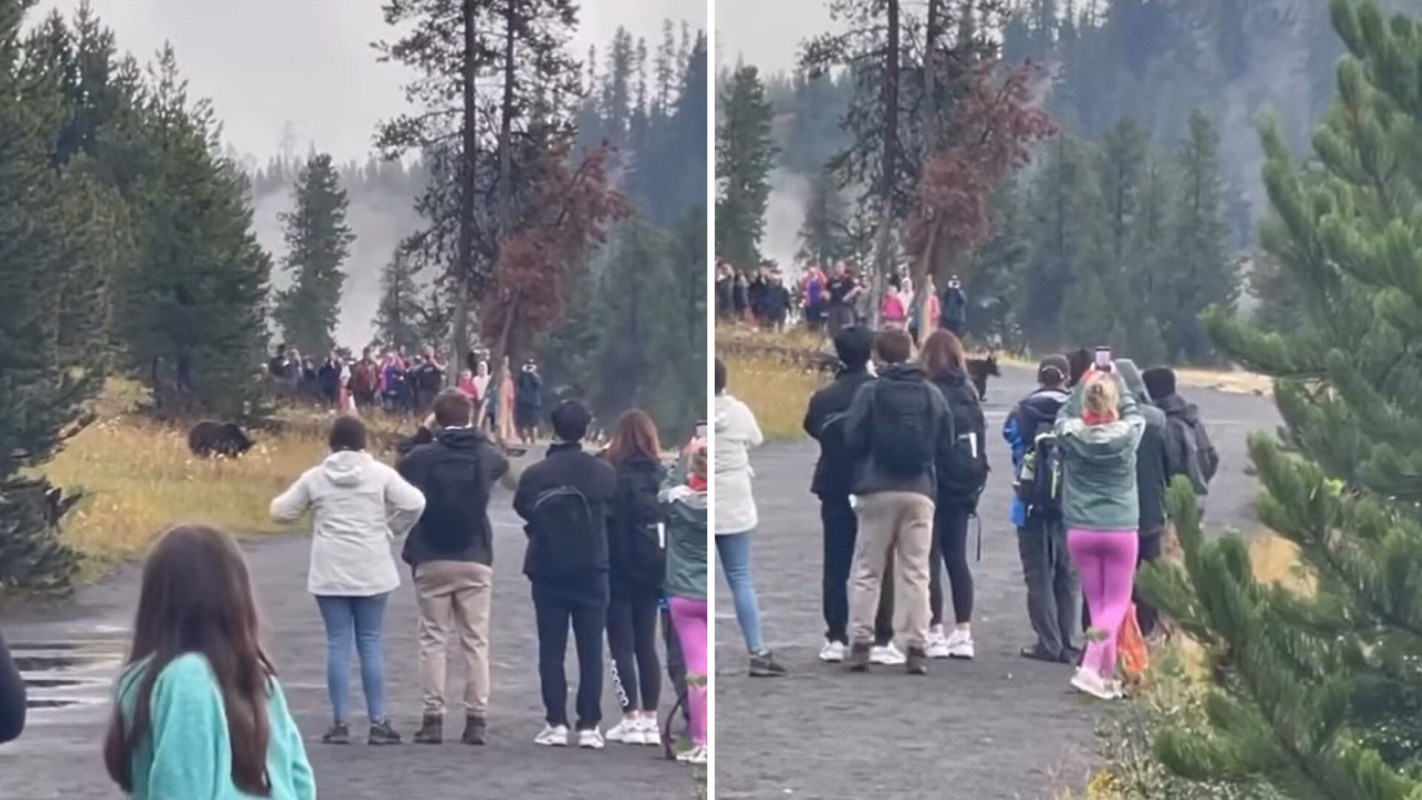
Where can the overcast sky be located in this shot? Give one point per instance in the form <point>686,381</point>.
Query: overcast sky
<point>266,62</point>
<point>767,33</point>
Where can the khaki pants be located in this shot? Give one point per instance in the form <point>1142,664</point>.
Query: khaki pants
<point>454,595</point>
<point>901,523</point>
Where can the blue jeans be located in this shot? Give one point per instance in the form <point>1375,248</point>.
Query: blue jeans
<point>355,620</point>
<point>734,552</point>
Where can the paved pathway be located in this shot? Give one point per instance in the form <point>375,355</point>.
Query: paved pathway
<point>998,728</point>
<point>58,758</point>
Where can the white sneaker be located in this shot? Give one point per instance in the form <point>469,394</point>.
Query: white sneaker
<point>591,738</point>
<point>960,644</point>
<point>937,645</point>
<point>696,755</point>
<point>887,655</point>
<point>1090,682</point>
<point>628,731</point>
<point>833,652</point>
<point>650,730</point>
<point>552,736</point>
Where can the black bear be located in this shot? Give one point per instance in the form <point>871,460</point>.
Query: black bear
<point>980,369</point>
<point>226,439</point>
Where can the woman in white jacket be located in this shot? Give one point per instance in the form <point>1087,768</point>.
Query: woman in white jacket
<point>361,506</point>
<point>737,433</point>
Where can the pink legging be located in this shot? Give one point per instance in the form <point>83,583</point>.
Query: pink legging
<point>1106,561</point>
<point>689,618</point>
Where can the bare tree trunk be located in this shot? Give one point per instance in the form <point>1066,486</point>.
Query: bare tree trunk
<point>884,265</point>
<point>500,350</point>
<point>464,269</point>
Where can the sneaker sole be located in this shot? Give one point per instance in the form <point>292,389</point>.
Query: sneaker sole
<point>551,744</point>
<point>961,656</point>
<point>1091,691</point>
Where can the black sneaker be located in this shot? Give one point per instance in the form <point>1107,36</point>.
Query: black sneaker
<point>474,731</point>
<point>764,665</point>
<point>916,661</point>
<point>1037,652</point>
<point>431,731</point>
<point>340,733</point>
<point>382,733</point>
<point>858,660</point>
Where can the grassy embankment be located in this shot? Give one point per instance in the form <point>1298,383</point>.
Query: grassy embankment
<point>138,478</point>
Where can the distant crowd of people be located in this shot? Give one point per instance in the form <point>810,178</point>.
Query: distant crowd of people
<point>903,463</point>
<point>836,300</point>
<point>616,549</point>
<point>398,384</point>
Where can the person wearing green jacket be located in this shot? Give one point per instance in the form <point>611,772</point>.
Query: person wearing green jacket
<point>683,498</point>
<point>1098,432</point>
<point>198,711</point>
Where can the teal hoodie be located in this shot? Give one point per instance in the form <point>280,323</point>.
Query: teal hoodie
<point>187,754</point>
<point>684,509</point>
<point>1099,465</point>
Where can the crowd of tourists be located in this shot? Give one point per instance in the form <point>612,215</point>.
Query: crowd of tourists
<point>902,466</point>
<point>399,384</point>
<point>616,549</point>
<point>832,301</point>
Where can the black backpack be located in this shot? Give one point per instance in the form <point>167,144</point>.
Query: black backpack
<point>963,474</point>
<point>1039,478</point>
<point>562,539</point>
<point>903,435</point>
<point>456,499</point>
<point>639,520</point>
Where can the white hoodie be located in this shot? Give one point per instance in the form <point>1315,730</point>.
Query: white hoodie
<point>362,506</point>
<point>737,433</point>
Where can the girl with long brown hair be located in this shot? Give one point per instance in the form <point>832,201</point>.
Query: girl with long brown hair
<point>636,561</point>
<point>198,711</point>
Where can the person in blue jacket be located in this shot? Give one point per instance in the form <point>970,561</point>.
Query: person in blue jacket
<point>1053,589</point>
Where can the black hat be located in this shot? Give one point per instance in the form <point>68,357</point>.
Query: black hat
<point>1053,369</point>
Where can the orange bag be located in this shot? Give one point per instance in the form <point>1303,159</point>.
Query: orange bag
<point>1132,655</point>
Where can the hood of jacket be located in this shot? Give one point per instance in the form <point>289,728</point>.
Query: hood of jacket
<point>460,438</point>
<point>1040,408</point>
<point>1175,406</point>
<point>1131,374</point>
<point>346,468</point>
<point>903,372</point>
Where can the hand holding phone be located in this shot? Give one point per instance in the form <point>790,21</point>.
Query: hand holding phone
<point>1104,360</point>
<point>701,429</point>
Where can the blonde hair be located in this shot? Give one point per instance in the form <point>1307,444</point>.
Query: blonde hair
<point>698,462</point>
<point>1102,396</point>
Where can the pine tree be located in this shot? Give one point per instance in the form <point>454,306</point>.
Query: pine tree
<point>823,234</point>
<point>745,154</point>
<point>318,242</point>
<point>1067,234</point>
<point>397,317</point>
<point>191,308</point>
<point>1202,273</point>
<point>1318,692</point>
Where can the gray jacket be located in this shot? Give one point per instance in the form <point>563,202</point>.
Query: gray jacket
<point>1152,463</point>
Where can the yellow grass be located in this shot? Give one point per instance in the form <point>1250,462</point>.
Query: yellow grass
<point>775,391</point>
<point>1234,381</point>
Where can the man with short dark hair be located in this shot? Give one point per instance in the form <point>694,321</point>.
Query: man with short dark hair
<point>451,553</point>
<point>824,422</point>
<point>897,428</point>
<point>565,500</point>
<point>1187,444</point>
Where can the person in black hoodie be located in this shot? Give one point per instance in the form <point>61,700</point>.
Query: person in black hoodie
<point>565,499</point>
<point>636,564</point>
<point>897,428</point>
<point>451,554</point>
<point>824,420</point>
<point>1190,450</point>
<point>961,479</point>
<point>1153,469</point>
<point>12,697</point>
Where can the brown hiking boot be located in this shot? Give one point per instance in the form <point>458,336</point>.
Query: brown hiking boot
<point>431,731</point>
<point>858,660</point>
<point>916,662</point>
<point>474,731</point>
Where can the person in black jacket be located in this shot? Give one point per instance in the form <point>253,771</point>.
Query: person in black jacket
<point>636,563</point>
<point>451,554</point>
<point>960,483</point>
<point>1153,470</point>
<point>897,428</point>
<point>12,697</point>
<point>824,418</point>
<point>565,500</point>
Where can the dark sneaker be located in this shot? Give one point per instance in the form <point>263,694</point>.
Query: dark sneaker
<point>1037,652</point>
<point>764,665</point>
<point>474,731</point>
<point>340,733</point>
<point>916,662</point>
<point>382,733</point>
<point>431,732</point>
<point>858,660</point>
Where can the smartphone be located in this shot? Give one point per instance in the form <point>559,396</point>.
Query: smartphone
<point>1103,359</point>
<point>701,429</point>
